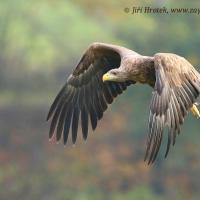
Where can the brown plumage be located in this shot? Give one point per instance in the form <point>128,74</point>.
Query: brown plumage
<point>86,95</point>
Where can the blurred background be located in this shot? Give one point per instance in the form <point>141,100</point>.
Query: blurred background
<point>40,44</point>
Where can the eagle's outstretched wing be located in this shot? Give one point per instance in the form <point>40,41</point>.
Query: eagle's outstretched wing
<point>85,95</point>
<point>176,89</point>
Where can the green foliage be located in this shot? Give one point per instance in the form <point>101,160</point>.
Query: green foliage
<point>142,193</point>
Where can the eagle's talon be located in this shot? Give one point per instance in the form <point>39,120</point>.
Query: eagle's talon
<point>195,110</point>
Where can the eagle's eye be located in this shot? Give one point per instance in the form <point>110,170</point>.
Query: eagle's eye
<point>114,73</point>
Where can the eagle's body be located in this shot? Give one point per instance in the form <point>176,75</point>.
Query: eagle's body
<point>141,69</point>
<point>105,71</point>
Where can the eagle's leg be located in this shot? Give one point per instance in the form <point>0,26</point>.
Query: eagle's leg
<point>195,110</point>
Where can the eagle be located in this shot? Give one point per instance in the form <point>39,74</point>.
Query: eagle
<point>105,71</point>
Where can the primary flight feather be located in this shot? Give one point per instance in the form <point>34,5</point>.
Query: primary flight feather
<point>105,71</point>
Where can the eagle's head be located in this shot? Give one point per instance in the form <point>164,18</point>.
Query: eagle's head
<point>116,75</point>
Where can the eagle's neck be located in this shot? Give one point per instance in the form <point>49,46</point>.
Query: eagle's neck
<point>145,71</point>
<point>149,70</point>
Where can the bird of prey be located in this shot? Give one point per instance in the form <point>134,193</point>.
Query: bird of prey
<point>105,71</point>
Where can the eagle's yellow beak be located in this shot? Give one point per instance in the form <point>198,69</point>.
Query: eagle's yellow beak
<point>106,77</point>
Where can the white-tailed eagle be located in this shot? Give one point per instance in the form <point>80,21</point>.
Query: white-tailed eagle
<point>105,71</point>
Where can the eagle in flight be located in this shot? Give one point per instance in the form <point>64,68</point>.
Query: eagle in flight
<point>105,71</point>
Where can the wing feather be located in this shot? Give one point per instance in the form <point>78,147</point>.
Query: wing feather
<point>85,96</point>
<point>75,123</point>
<point>176,89</point>
<point>67,124</point>
<point>84,122</point>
